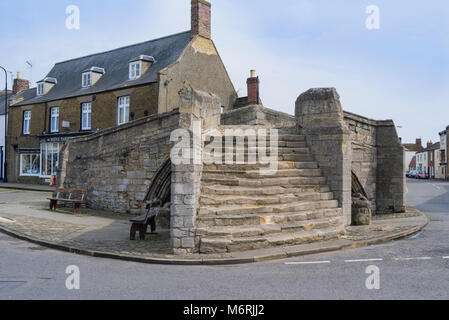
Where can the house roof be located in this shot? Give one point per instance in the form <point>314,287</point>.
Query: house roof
<point>410,146</point>
<point>25,94</point>
<point>115,62</point>
<point>434,146</point>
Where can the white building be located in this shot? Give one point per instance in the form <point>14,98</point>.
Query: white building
<point>421,161</point>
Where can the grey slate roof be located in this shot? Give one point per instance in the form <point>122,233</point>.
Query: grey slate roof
<point>26,94</point>
<point>115,62</point>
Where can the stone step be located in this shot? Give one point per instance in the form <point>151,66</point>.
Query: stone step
<point>295,157</point>
<point>223,245</point>
<point>281,165</point>
<point>243,191</point>
<point>281,137</point>
<point>267,219</point>
<point>262,230</point>
<point>255,174</point>
<point>255,150</point>
<point>263,199</point>
<point>266,181</point>
<point>259,209</point>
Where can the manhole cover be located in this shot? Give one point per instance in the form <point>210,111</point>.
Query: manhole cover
<point>6,219</point>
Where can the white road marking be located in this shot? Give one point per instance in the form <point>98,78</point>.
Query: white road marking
<point>365,260</point>
<point>408,259</point>
<point>308,262</point>
<point>446,257</point>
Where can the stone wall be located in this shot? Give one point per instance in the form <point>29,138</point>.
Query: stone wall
<point>364,153</point>
<point>390,169</point>
<point>320,118</point>
<point>258,115</point>
<point>343,142</point>
<point>117,165</point>
<point>199,113</point>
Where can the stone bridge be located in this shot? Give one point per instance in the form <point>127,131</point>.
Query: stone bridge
<point>322,150</point>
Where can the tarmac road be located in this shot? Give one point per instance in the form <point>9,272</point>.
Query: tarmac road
<point>414,268</point>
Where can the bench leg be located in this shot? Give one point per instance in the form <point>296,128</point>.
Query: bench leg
<point>53,204</point>
<point>76,208</point>
<point>152,223</point>
<point>143,231</point>
<point>133,231</point>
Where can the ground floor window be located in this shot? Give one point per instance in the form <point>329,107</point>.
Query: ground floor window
<point>49,158</point>
<point>29,164</point>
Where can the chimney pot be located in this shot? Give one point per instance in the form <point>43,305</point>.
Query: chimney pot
<point>253,74</point>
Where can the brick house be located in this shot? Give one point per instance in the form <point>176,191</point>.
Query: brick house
<point>19,92</point>
<point>100,91</point>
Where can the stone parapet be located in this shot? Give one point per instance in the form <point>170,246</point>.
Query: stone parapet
<point>320,118</point>
<point>257,115</point>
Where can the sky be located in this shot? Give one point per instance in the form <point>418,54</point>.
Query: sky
<point>399,71</point>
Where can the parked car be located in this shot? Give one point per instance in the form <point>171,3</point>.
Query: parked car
<point>412,174</point>
<point>422,175</point>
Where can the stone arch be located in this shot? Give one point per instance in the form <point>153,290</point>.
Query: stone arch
<point>361,206</point>
<point>160,188</point>
<point>356,186</point>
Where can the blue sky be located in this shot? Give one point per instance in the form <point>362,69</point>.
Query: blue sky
<point>399,72</point>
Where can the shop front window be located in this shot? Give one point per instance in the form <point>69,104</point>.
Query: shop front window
<point>49,159</point>
<point>29,164</point>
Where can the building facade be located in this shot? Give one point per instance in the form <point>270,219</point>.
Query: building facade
<point>410,153</point>
<point>2,135</point>
<point>86,95</point>
<point>442,169</point>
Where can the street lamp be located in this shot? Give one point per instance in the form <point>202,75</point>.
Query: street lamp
<point>5,179</point>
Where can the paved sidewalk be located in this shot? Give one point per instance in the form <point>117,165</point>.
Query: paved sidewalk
<point>29,187</point>
<point>24,214</point>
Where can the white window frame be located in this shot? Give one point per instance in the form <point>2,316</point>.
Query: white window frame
<point>26,122</point>
<point>30,155</point>
<point>40,89</point>
<point>86,111</point>
<point>123,104</point>
<point>86,80</point>
<point>54,116</point>
<point>135,70</point>
<point>55,148</point>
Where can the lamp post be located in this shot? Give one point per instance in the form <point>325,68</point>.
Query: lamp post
<point>5,179</point>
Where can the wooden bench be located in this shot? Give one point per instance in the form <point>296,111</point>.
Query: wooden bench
<point>77,197</point>
<point>141,223</point>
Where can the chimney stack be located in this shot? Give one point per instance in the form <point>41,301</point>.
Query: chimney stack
<point>429,144</point>
<point>20,84</point>
<point>253,88</point>
<point>201,19</point>
<point>419,145</point>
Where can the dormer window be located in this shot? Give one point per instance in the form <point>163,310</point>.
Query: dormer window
<point>135,70</point>
<point>91,76</point>
<point>86,79</point>
<point>44,86</point>
<point>40,89</point>
<point>139,65</point>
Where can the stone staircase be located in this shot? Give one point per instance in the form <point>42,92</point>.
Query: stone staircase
<point>240,209</point>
